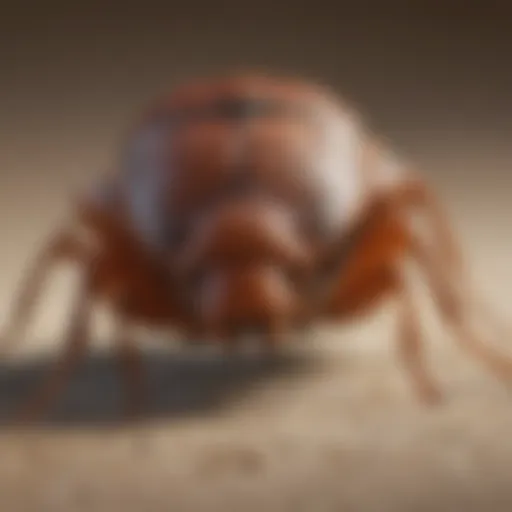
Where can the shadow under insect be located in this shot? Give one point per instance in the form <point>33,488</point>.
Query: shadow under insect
<point>178,385</point>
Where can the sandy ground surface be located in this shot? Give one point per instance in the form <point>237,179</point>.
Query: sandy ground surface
<point>335,427</point>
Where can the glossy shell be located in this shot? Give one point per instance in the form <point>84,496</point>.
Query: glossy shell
<point>311,152</point>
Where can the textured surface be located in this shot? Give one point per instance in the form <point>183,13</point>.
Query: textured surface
<point>345,431</point>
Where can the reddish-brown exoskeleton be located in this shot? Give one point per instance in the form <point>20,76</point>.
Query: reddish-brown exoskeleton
<point>254,201</point>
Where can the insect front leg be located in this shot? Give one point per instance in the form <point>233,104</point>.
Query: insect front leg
<point>77,341</point>
<point>371,273</point>
<point>416,195</point>
<point>60,248</point>
<point>454,309</point>
<point>411,343</point>
<point>374,268</point>
<point>131,368</point>
<point>450,282</point>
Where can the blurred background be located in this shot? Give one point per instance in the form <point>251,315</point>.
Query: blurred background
<point>433,77</point>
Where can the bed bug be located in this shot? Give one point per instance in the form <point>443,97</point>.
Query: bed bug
<point>255,201</point>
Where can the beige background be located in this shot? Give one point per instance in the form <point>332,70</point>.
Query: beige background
<point>349,433</point>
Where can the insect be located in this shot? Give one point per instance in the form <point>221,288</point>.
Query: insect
<point>254,201</point>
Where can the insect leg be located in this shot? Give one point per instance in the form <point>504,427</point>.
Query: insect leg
<point>411,343</point>
<point>455,312</point>
<point>62,247</point>
<point>447,249</point>
<point>417,195</point>
<point>373,272</point>
<point>77,341</point>
<point>131,368</point>
<point>449,277</point>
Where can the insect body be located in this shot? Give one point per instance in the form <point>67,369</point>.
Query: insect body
<point>250,201</point>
